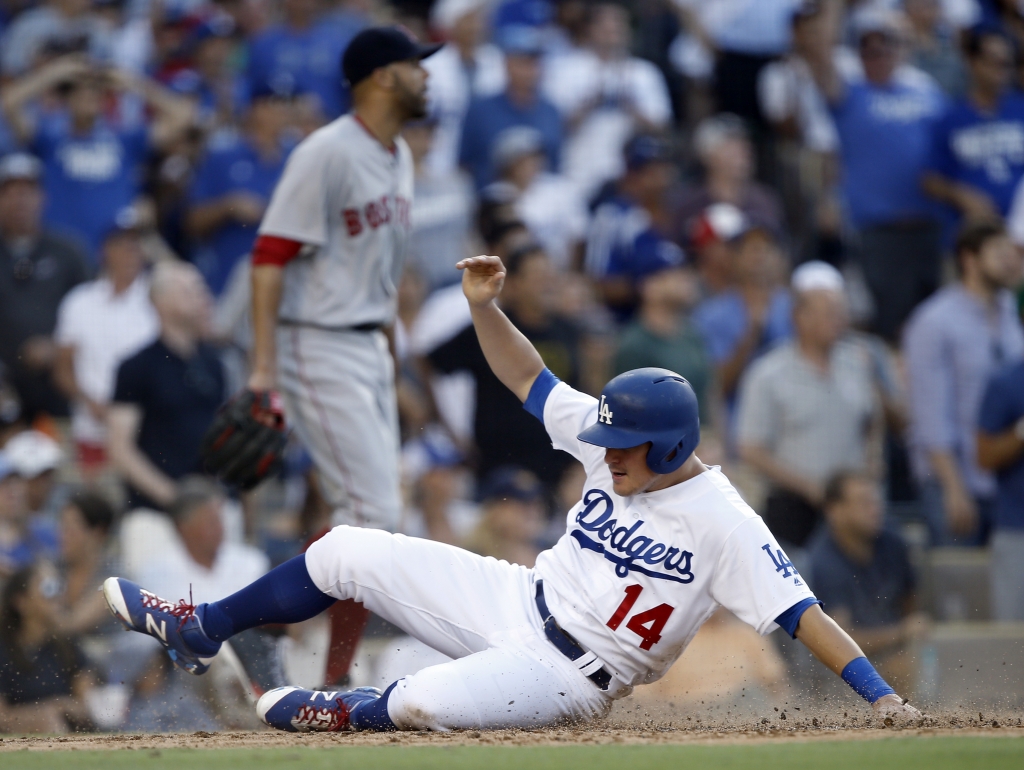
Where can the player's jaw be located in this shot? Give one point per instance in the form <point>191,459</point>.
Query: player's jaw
<point>411,89</point>
<point>628,467</point>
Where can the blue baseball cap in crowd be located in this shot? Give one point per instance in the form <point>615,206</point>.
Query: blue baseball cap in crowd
<point>511,483</point>
<point>533,13</point>
<point>807,9</point>
<point>216,25</point>
<point>514,143</point>
<point>280,85</point>
<point>127,221</point>
<point>521,40</point>
<point>652,254</point>
<point>644,149</point>
<point>377,47</point>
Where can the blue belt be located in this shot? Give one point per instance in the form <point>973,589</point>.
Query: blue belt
<point>586,661</point>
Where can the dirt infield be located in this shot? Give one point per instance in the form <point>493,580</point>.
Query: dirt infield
<point>784,725</point>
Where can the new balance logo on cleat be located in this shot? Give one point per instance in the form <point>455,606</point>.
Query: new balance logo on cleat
<point>154,630</point>
<point>153,602</point>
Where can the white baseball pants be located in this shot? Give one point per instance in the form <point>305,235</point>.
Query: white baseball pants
<point>339,395</point>
<point>476,609</point>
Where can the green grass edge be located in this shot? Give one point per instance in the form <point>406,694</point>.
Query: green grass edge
<point>927,753</point>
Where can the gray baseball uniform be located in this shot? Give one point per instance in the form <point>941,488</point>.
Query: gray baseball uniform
<point>347,197</point>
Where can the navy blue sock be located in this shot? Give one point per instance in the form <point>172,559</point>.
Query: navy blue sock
<point>286,594</point>
<point>373,715</point>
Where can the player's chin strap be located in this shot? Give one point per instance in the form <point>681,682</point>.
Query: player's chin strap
<point>586,661</point>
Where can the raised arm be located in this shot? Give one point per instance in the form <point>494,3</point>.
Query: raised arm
<point>511,356</point>
<point>15,97</point>
<point>173,114</point>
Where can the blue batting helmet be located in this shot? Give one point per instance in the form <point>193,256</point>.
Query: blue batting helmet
<point>649,404</point>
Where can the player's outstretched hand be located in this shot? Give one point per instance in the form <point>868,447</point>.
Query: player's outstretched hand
<point>482,278</point>
<point>896,712</point>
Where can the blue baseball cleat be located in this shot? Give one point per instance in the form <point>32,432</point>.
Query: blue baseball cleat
<point>299,711</point>
<point>175,626</point>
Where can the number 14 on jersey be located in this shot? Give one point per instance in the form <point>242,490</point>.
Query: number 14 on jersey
<point>648,624</point>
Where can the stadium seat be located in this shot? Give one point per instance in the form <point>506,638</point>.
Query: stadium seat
<point>954,584</point>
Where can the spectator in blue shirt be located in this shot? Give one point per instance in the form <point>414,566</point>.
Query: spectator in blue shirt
<point>978,150</point>
<point>627,240</point>
<point>885,124</point>
<point>1001,450</point>
<point>308,49</point>
<point>233,185</point>
<point>953,344</point>
<point>519,105</point>
<point>211,79</point>
<point>91,164</point>
<point>749,319</point>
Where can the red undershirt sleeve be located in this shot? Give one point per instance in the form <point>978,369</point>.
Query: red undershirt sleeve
<point>271,250</point>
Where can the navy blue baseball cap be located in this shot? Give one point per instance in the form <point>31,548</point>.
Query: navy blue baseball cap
<point>127,221</point>
<point>510,482</point>
<point>376,47</point>
<point>652,254</point>
<point>280,85</point>
<point>216,25</point>
<point>643,149</point>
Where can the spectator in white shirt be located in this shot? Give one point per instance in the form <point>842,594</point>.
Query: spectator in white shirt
<point>606,96</point>
<point>99,324</point>
<point>466,67</point>
<point>192,555</point>
<point>548,204</point>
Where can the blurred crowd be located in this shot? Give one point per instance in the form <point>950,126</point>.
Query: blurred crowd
<point>812,209</point>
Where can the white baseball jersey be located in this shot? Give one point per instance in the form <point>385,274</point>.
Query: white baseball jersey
<point>347,196</point>
<point>634,577</point>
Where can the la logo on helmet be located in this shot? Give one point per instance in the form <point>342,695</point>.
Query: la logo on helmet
<point>604,414</point>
